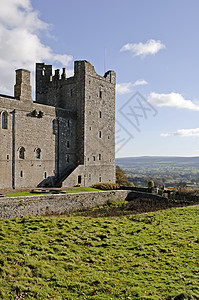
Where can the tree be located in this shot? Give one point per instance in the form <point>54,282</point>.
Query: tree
<point>182,184</point>
<point>121,178</point>
<point>150,185</point>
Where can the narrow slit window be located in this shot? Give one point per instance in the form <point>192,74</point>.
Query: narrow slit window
<point>100,134</point>
<point>22,153</point>
<point>45,175</point>
<point>100,114</point>
<point>21,174</point>
<point>67,158</point>
<point>4,120</point>
<point>100,179</point>
<point>38,153</point>
<point>100,156</point>
<point>93,158</point>
<point>68,144</point>
<point>54,126</point>
<point>100,94</point>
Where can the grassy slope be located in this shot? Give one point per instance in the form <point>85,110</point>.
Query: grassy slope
<point>149,256</point>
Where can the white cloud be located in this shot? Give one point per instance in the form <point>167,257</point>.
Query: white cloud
<point>171,100</point>
<point>127,87</point>
<point>124,88</point>
<point>140,49</point>
<point>20,44</point>
<point>183,133</point>
<point>140,82</point>
<point>165,134</point>
<point>187,132</point>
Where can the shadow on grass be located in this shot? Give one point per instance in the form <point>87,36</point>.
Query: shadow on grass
<point>136,206</point>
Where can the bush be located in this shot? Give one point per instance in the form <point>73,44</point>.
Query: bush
<point>106,186</point>
<point>121,178</point>
<point>187,192</point>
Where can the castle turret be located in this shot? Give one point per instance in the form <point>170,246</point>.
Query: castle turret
<point>22,88</point>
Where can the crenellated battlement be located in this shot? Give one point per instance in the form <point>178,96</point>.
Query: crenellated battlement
<point>56,89</point>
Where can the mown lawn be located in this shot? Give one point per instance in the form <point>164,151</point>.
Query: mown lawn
<point>148,256</point>
<point>69,190</point>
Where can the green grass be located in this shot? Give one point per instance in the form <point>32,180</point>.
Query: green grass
<point>81,189</point>
<point>148,256</point>
<point>71,190</point>
<point>18,194</point>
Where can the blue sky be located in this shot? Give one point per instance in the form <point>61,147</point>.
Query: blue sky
<point>152,45</point>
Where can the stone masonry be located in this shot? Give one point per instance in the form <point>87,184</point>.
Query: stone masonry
<point>64,138</point>
<point>44,205</point>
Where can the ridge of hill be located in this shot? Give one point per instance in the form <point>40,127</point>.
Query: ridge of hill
<point>158,160</point>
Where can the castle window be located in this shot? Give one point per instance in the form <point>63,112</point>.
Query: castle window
<point>100,114</point>
<point>45,175</point>
<point>54,126</point>
<point>93,158</point>
<point>68,123</point>
<point>4,120</point>
<point>100,156</point>
<point>71,92</point>
<point>100,94</point>
<point>38,153</point>
<point>7,156</point>
<point>43,72</point>
<point>22,153</point>
<point>100,134</point>
<point>67,158</point>
<point>21,174</point>
<point>68,144</point>
<point>100,179</point>
<point>90,128</point>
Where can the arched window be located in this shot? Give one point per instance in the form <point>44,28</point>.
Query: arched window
<point>4,120</point>
<point>54,126</point>
<point>38,153</point>
<point>22,153</point>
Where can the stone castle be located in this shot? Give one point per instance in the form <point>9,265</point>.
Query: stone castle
<point>64,138</point>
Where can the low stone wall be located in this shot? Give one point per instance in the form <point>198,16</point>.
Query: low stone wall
<point>134,195</point>
<point>43,205</point>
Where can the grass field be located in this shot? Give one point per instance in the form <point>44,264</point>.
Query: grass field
<point>147,256</point>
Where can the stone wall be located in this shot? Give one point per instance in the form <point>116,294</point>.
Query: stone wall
<point>25,129</point>
<point>43,205</point>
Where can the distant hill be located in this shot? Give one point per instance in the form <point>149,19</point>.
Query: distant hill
<point>152,161</point>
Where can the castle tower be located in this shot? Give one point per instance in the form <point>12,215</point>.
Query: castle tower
<point>90,134</point>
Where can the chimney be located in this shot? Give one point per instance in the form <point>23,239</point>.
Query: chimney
<point>22,88</point>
